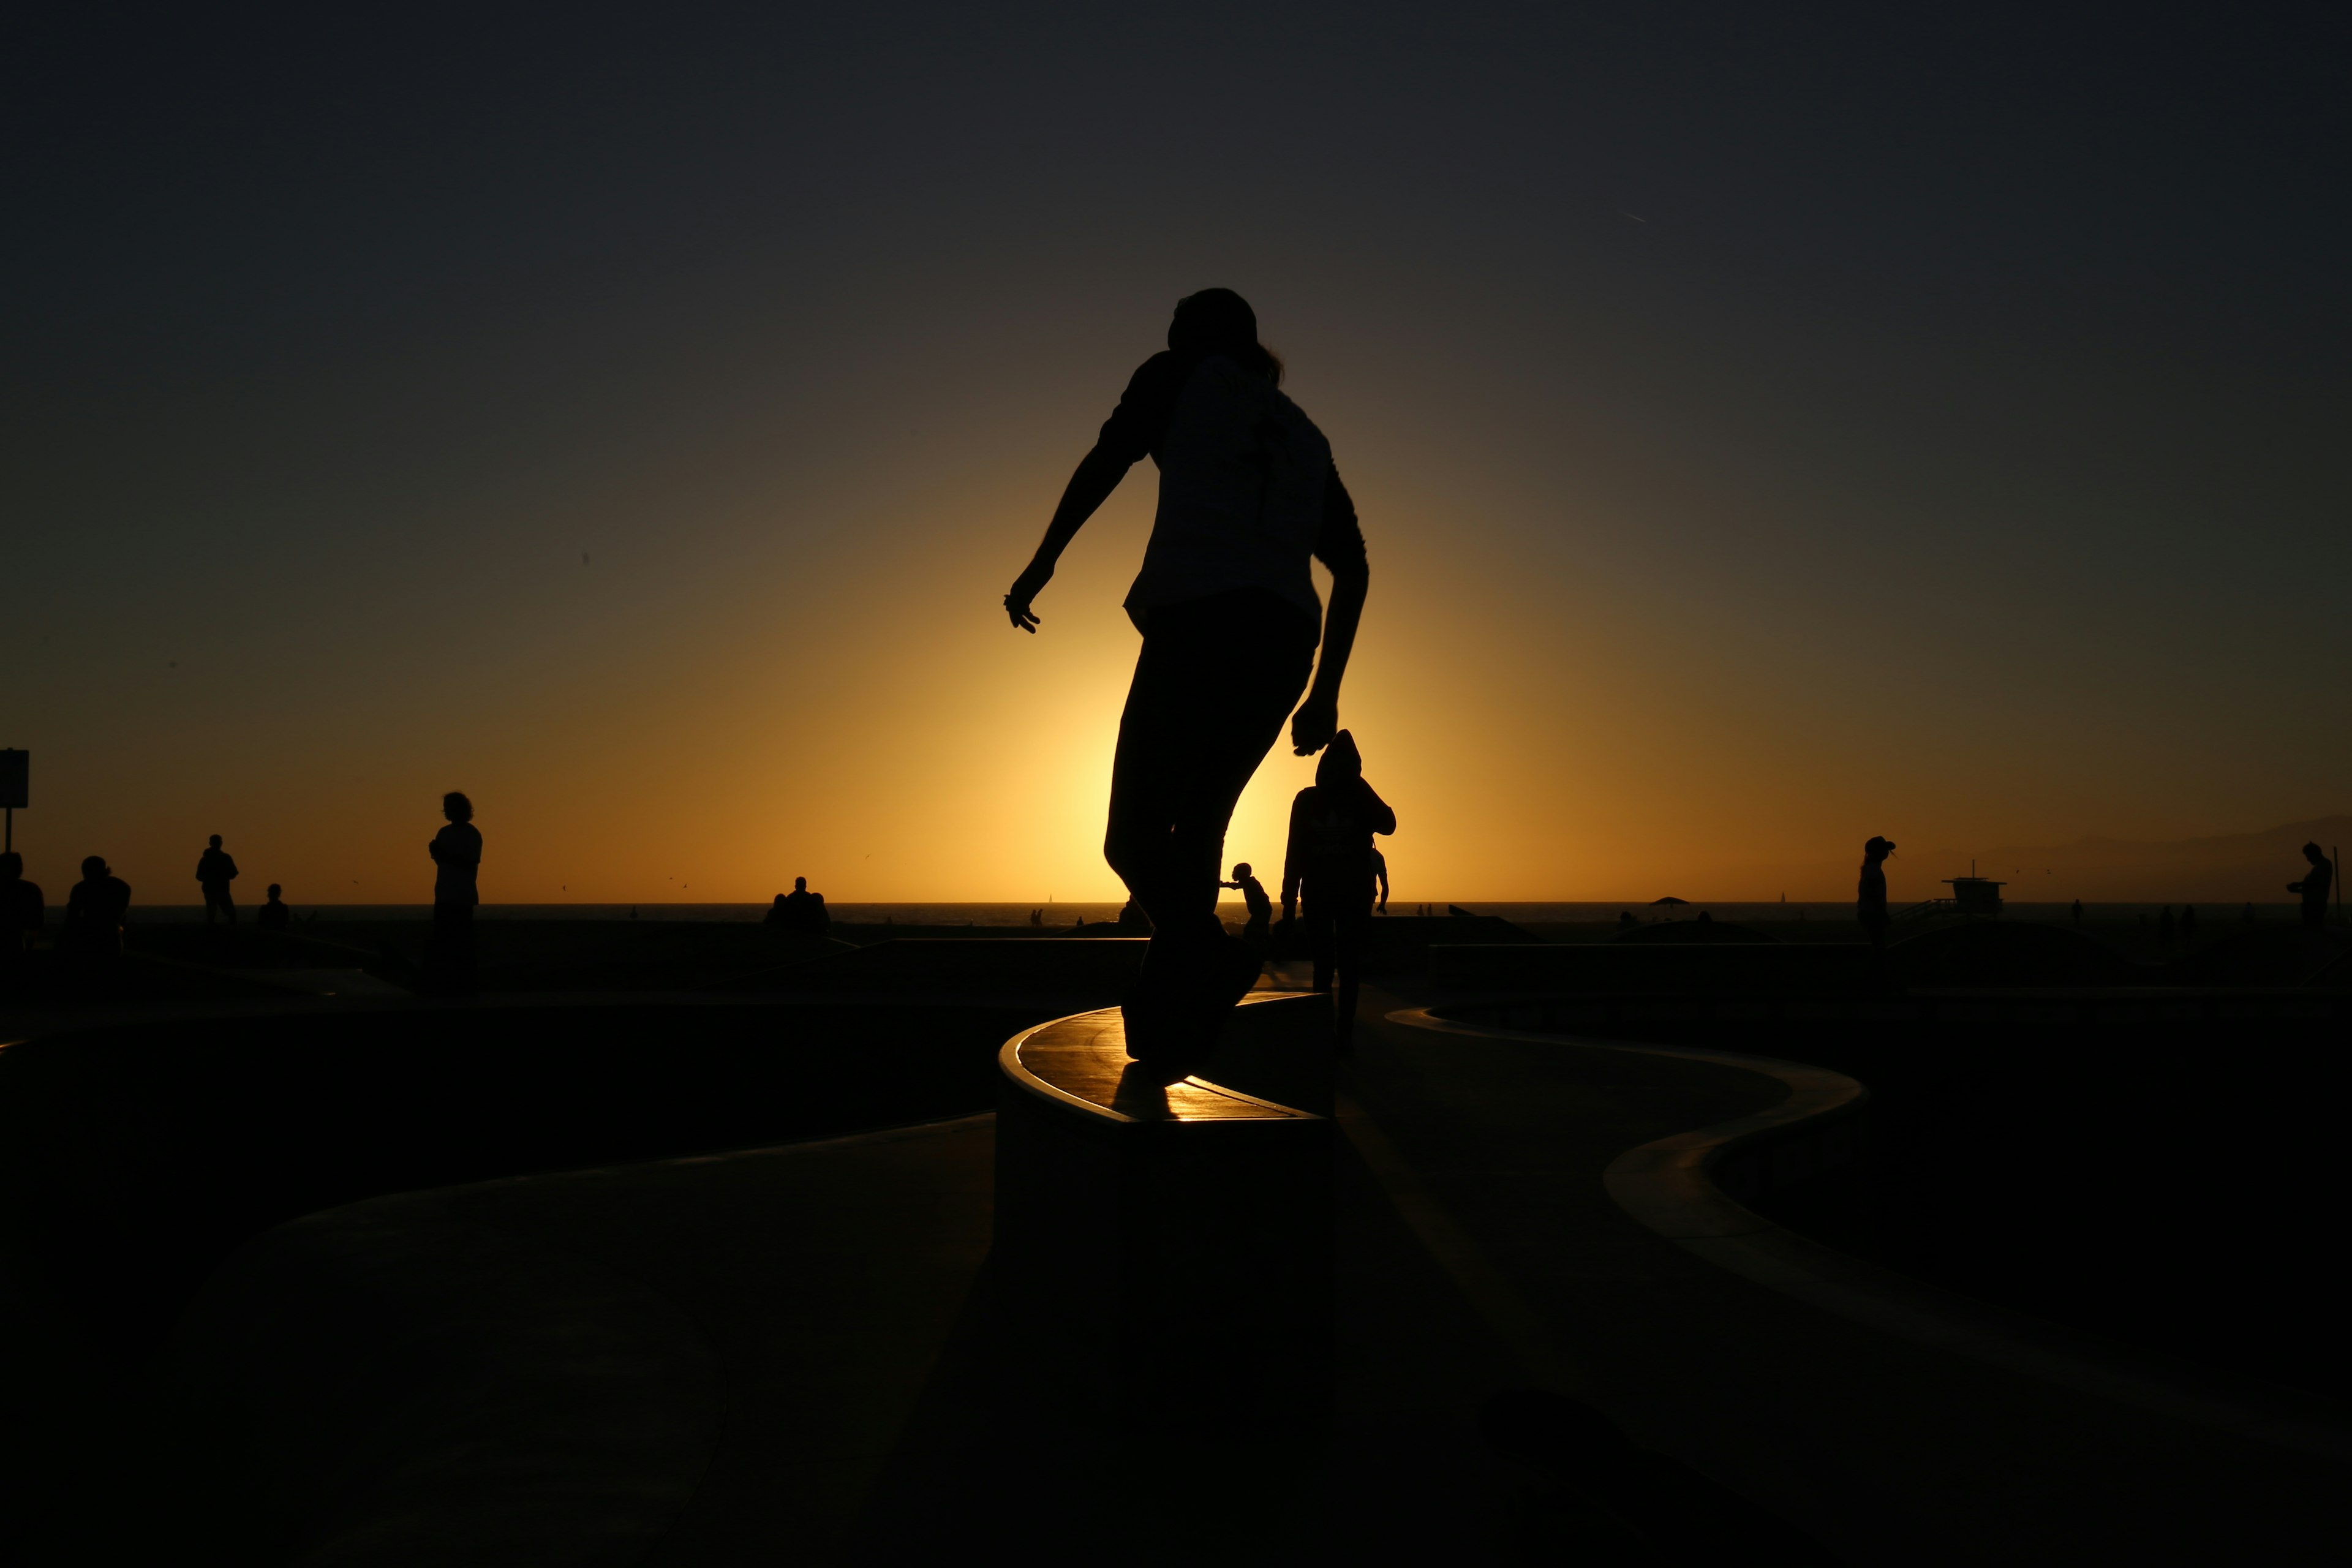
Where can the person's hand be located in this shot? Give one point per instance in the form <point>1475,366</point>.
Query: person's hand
<point>1312,727</point>
<point>1026,587</point>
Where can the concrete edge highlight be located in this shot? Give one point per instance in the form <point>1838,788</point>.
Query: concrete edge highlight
<point>1670,1187</point>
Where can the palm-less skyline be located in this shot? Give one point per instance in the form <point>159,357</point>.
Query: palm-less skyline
<point>1767,433</point>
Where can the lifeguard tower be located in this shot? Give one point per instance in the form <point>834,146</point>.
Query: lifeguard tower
<point>1975,895</point>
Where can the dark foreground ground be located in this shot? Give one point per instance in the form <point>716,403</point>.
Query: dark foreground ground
<point>748,1354</point>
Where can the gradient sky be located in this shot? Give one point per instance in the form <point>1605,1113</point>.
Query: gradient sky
<point>1769,430</point>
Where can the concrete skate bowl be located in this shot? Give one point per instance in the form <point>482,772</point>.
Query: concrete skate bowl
<point>2008,953</point>
<point>1676,933</point>
<point>134,1159</point>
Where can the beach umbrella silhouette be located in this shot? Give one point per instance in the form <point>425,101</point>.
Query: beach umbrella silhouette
<point>1669,899</point>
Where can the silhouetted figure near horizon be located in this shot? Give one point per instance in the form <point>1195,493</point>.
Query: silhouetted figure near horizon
<point>1254,932</point>
<point>1380,874</point>
<point>2188,925</point>
<point>1327,873</point>
<point>2249,917</point>
<point>456,851</point>
<point>2313,886</point>
<point>2078,911</point>
<point>1625,921</point>
<point>1227,607</point>
<point>214,872</point>
<point>95,910</point>
<point>800,909</point>
<point>274,915</point>
<point>22,910</point>
<point>2164,927</point>
<point>1870,894</point>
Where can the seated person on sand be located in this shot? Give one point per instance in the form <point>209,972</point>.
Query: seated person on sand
<point>799,910</point>
<point>274,915</point>
<point>1254,899</point>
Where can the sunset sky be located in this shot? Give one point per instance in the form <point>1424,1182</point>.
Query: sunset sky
<point>1769,429</point>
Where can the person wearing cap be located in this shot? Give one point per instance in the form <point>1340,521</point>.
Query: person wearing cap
<point>1226,604</point>
<point>1870,899</point>
<point>2313,886</point>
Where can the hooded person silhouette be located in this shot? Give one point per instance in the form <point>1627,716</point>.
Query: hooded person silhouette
<point>1226,604</point>
<point>1328,869</point>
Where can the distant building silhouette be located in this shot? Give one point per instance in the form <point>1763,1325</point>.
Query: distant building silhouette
<point>1261,908</point>
<point>274,915</point>
<point>800,909</point>
<point>1327,873</point>
<point>2313,886</point>
<point>1227,606</point>
<point>214,872</point>
<point>1870,892</point>
<point>456,852</point>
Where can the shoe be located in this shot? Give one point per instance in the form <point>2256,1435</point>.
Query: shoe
<point>1179,1003</point>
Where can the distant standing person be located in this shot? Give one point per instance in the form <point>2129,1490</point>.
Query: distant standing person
<point>1227,606</point>
<point>1381,872</point>
<point>214,872</point>
<point>2313,886</point>
<point>95,911</point>
<point>456,852</point>
<point>1254,899</point>
<point>2078,911</point>
<point>1870,897</point>
<point>274,915</point>
<point>1329,869</point>
<point>22,911</point>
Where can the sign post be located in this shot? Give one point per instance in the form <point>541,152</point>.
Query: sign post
<point>15,775</point>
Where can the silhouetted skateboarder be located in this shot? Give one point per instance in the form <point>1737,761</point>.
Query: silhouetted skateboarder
<point>1327,871</point>
<point>456,852</point>
<point>1230,619</point>
<point>1260,907</point>
<point>2313,886</point>
<point>214,872</point>
<point>1870,895</point>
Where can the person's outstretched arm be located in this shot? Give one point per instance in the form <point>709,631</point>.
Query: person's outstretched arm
<point>1292,854</point>
<point>1340,548</point>
<point>1097,474</point>
<point>1133,430</point>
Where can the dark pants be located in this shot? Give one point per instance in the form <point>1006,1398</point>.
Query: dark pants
<point>1336,923</point>
<point>451,965</point>
<point>1214,682</point>
<point>216,897</point>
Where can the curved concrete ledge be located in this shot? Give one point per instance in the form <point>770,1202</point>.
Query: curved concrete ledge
<point>1167,1248</point>
<point>1676,1188</point>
